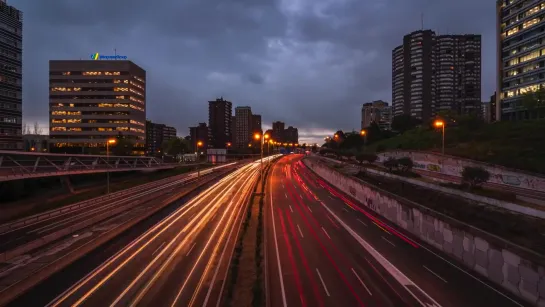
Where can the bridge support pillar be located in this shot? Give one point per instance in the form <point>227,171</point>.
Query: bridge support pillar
<point>65,182</point>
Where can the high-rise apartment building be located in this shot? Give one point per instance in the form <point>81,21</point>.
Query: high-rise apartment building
<point>520,55</point>
<point>220,112</point>
<point>291,135</point>
<point>413,82</point>
<point>243,133</point>
<point>11,56</point>
<point>256,124</point>
<point>458,73</point>
<point>377,111</point>
<point>93,101</point>
<point>198,134</point>
<point>278,131</point>
<point>156,135</point>
<point>433,72</point>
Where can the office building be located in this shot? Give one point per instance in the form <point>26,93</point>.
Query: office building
<point>520,56</point>
<point>377,111</point>
<point>413,82</point>
<point>243,133</point>
<point>198,134</point>
<point>433,73</point>
<point>93,101</point>
<point>11,56</point>
<point>489,109</point>
<point>233,139</point>
<point>458,74</point>
<point>278,131</point>
<point>219,122</point>
<point>291,135</point>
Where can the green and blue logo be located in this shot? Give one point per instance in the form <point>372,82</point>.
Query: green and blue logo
<point>98,56</point>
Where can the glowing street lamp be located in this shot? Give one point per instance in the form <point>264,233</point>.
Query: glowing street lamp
<point>108,143</point>
<point>441,124</point>
<point>363,133</point>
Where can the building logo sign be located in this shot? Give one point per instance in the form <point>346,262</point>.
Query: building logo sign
<point>98,56</point>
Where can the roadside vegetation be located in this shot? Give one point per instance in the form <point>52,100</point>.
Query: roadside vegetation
<point>514,144</point>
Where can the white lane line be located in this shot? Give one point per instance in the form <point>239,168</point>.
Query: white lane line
<point>309,209</point>
<point>362,222</point>
<point>436,275</point>
<point>383,238</point>
<point>158,248</point>
<point>422,297</point>
<point>283,187</point>
<point>286,195</point>
<point>291,208</point>
<point>361,281</point>
<point>285,304</point>
<point>323,283</point>
<point>326,233</point>
<point>190,249</point>
<point>344,209</point>
<point>331,197</point>
<point>300,232</point>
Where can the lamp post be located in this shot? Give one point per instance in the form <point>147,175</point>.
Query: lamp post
<point>364,134</point>
<point>261,137</point>
<point>441,124</point>
<point>110,141</point>
<point>199,144</point>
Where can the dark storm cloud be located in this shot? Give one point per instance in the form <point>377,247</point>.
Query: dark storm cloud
<point>310,63</point>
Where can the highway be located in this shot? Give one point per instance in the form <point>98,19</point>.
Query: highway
<point>180,261</point>
<point>325,249</point>
<point>23,231</point>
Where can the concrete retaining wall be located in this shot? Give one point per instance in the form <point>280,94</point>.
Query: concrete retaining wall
<point>453,166</point>
<point>481,252</point>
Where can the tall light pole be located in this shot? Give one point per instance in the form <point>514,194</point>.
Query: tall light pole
<point>110,141</point>
<point>364,134</point>
<point>262,138</point>
<point>441,124</point>
<point>199,144</point>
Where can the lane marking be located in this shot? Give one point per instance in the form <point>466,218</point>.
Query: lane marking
<point>309,209</point>
<point>326,233</point>
<point>331,197</point>
<point>277,252</point>
<point>286,195</point>
<point>300,232</point>
<point>323,283</point>
<point>345,210</point>
<point>436,275</point>
<point>158,248</point>
<point>386,231</point>
<point>190,249</point>
<point>361,281</point>
<point>362,222</point>
<point>291,208</point>
<point>334,224</point>
<point>388,241</point>
<point>421,296</point>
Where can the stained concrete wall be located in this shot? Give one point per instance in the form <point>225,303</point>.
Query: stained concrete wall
<point>453,166</point>
<point>490,256</point>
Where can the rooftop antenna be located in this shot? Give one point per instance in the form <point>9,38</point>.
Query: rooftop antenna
<point>422,20</point>
<point>115,53</point>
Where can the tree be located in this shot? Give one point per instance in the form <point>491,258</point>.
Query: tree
<point>534,102</point>
<point>405,163</point>
<point>402,123</point>
<point>26,129</point>
<point>366,157</point>
<point>37,129</point>
<point>123,146</point>
<point>391,163</point>
<point>474,176</point>
<point>175,146</point>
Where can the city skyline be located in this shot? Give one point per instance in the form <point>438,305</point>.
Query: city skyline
<point>272,70</point>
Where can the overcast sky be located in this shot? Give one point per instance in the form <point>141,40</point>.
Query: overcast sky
<point>309,63</point>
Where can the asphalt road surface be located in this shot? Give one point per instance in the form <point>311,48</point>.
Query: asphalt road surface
<point>181,261</point>
<point>325,249</point>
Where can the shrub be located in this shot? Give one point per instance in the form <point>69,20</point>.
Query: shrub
<point>474,176</point>
<point>391,163</point>
<point>405,163</point>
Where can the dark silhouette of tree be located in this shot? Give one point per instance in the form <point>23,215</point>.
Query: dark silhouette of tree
<point>404,122</point>
<point>534,102</point>
<point>474,176</point>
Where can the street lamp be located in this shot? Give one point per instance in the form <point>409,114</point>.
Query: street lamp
<point>441,124</point>
<point>199,145</point>
<point>257,136</point>
<point>110,141</point>
<point>364,134</point>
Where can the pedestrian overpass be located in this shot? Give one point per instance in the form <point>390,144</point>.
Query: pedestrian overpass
<point>15,165</point>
